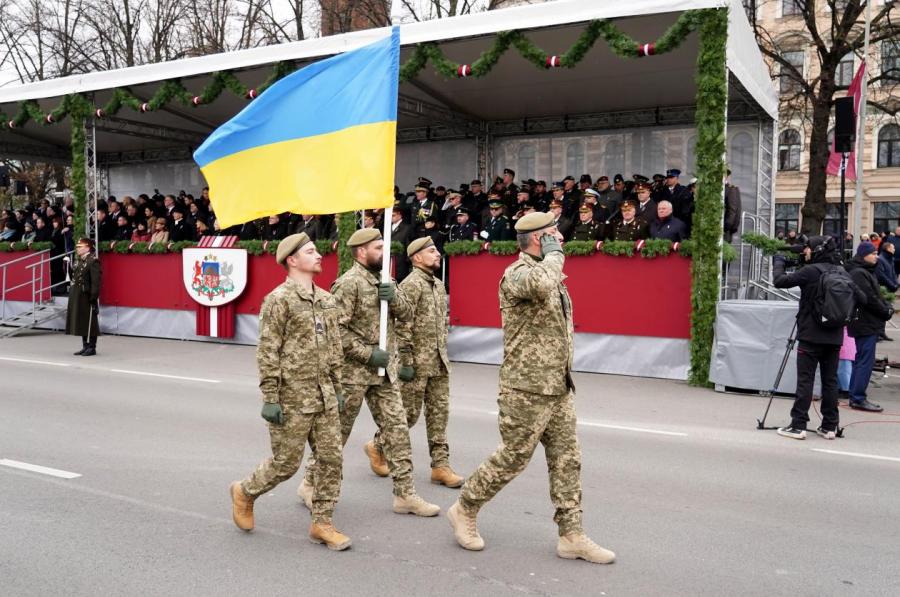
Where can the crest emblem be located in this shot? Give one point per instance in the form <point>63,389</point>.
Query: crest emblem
<point>214,276</point>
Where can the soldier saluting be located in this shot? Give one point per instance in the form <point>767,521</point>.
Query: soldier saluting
<point>84,294</point>
<point>298,356</point>
<point>536,404</point>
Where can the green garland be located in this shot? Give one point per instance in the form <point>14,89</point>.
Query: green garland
<point>769,246</point>
<point>7,247</point>
<point>652,248</point>
<point>712,95</point>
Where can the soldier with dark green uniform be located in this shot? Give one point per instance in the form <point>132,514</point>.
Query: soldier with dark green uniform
<point>497,227</point>
<point>629,228</point>
<point>537,403</point>
<point>84,294</point>
<point>359,293</point>
<point>587,228</point>
<point>298,357</point>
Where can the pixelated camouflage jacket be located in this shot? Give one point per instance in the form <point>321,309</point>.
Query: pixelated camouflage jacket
<point>422,340</point>
<point>357,296</point>
<point>299,347</point>
<point>537,326</point>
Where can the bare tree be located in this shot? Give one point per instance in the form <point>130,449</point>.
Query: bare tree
<point>834,29</point>
<point>424,10</point>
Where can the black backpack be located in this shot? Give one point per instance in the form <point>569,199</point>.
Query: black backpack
<point>835,303</point>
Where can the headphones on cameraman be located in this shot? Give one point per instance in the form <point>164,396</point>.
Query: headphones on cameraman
<point>827,245</point>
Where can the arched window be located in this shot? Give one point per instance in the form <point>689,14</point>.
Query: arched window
<point>526,162</point>
<point>741,159</point>
<point>614,158</point>
<point>889,147</point>
<point>789,150</point>
<point>575,159</point>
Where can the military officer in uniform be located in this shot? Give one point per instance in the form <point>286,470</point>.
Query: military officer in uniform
<point>587,228</point>
<point>358,293</point>
<point>498,227</point>
<point>646,207</point>
<point>629,227</point>
<point>298,357</point>
<point>425,366</point>
<point>84,294</point>
<point>463,229</point>
<point>537,401</point>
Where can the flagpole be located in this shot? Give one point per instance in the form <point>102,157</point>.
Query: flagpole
<point>385,278</point>
<point>861,132</point>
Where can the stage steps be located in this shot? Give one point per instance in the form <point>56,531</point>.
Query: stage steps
<point>42,313</point>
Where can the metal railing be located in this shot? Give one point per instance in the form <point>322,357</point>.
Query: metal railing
<point>37,279</point>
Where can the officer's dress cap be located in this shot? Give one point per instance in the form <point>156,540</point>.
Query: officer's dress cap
<point>418,245</point>
<point>535,221</point>
<point>361,237</point>
<point>289,246</point>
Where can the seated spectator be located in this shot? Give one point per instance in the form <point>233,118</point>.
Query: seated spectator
<point>141,234</point>
<point>42,232</point>
<point>29,234</point>
<point>275,229</point>
<point>123,228</point>
<point>160,231</point>
<point>204,230</point>
<point>10,231</point>
<point>666,225</point>
<point>587,228</point>
<point>181,230</point>
<point>629,228</point>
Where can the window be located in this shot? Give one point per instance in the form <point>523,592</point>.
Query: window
<point>889,147</point>
<point>887,216</point>
<point>575,159</point>
<point>832,224</point>
<point>787,218</point>
<point>790,7</point>
<point>789,150</point>
<point>789,82</point>
<point>890,59</point>
<point>614,158</point>
<point>844,75</point>
<point>526,162</point>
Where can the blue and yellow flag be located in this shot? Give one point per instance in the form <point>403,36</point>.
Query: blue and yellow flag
<point>321,140</point>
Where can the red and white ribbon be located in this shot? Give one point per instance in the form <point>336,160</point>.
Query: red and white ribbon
<point>463,71</point>
<point>646,49</point>
<point>553,61</point>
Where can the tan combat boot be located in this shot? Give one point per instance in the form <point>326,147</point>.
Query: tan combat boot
<point>413,504</point>
<point>305,493</point>
<point>444,475</point>
<point>464,528</point>
<point>578,545</point>
<point>324,532</point>
<point>241,507</point>
<point>376,459</point>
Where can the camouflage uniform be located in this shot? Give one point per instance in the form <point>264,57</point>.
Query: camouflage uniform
<point>357,296</point>
<point>298,357</point>
<point>423,345</point>
<point>536,390</point>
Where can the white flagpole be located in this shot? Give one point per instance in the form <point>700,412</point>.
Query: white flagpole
<point>385,277</point>
<point>861,134</point>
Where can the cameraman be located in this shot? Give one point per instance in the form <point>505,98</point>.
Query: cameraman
<point>817,345</point>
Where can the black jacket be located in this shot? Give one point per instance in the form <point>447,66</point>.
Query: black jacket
<point>875,311</point>
<point>181,231</point>
<point>807,278</point>
<point>670,228</point>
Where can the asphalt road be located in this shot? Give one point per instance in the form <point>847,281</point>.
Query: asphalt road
<point>677,481</point>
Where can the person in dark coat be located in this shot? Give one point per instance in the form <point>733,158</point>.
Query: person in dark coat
<point>123,228</point>
<point>868,325</point>
<point>884,269</point>
<point>402,233</point>
<point>562,223</point>
<point>646,207</point>
<point>681,199</point>
<point>498,226</point>
<point>666,225</point>
<point>630,227</point>
<point>106,228</point>
<point>84,294</point>
<point>463,229</point>
<point>818,346</point>
<point>587,228</point>
<point>732,221</point>
<point>181,230</point>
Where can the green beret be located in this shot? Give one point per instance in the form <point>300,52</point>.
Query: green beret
<point>419,244</point>
<point>535,221</point>
<point>363,236</point>
<point>289,246</point>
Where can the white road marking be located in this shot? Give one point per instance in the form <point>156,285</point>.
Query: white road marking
<point>619,427</point>
<point>33,362</point>
<point>200,379</point>
<point>36,468</point>
<point>857,455</point>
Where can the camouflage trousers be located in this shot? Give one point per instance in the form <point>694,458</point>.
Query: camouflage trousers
<point>434,394</point>
<point>386,407</point>
<point>527,419</point>
<point>322,431</point>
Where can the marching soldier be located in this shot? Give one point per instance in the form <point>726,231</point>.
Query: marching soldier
<point>629,227</point>
<point>587,228</point>
<point>358,293</point>
<point>537,405</point>
<point>425,366</point>
<point>298,357</point>
<point>84,294</point>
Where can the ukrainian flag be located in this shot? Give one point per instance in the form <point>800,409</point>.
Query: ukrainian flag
<point>321,140</point>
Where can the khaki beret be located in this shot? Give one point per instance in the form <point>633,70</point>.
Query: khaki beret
<point>535,221</point>
<point>289,246</point>
<point>361,237</point>
<point>419,244</point>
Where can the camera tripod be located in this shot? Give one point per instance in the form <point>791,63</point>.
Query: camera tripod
<point>791,341</point>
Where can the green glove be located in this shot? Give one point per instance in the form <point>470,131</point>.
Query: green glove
<point>341,401</point>
<point>271,412</point>
<point>379,358</point>
<point>407,373</point>
<point>387,291</point>
<point>549,244</point>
